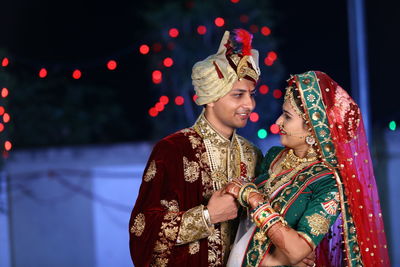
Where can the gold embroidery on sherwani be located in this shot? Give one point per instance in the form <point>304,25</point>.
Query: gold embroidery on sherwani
<point>138,225</point>
<point>151,171</point>
<point>194,141</point>
<point>194,247</point>
<point>214,253</point>
<point>191,170</point>
<point>168,233</point>
<point>319,224</point>
<point>193,226</point>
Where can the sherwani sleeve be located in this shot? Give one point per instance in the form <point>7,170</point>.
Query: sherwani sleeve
<point>158,216</point>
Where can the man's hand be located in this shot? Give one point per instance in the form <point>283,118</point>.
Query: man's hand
<point>222,207</point>
<point>310,259</point>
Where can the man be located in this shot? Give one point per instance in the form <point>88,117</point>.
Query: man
<point>181,216</point>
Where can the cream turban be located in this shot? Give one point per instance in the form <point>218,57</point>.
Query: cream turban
<point>214,76</point>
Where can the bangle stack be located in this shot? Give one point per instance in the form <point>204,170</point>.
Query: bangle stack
<point>244,192</point>
<point>265,216</point>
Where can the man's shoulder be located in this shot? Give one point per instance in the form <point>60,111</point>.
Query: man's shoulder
<point>179,138</point>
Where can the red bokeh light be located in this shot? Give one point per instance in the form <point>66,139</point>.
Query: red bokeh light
<point>244,18</point>
<point>254,28</point>
<point>254,117</point>
<point>179,100</point>
<point>1,127</point>
<point>2,110</point>
<point>168,62</point>
<point>7,145</point>
<point>274,128</point>
<point>235,1</point>
<point>144,49</point>
<point>112,65</point>
<point>77,74</point>
<point>268,61</point>
<point>219,22</point>
<point>6,118</point>
<point>195,97</point>
<point>164,99</point>
<point>4,92</point>
<point>157,76</point>
<point>277,93</point>
<point>201,30</point>
<point>264,89</point>
<point>42,73</point>
<point>265,31</point>
<point>153,112</point>
<point>5,62</point>
<point>159,106</point>
<point>272,55</point>
<point>173,32</point>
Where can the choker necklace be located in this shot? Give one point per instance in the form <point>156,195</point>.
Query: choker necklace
<point>291,160</point>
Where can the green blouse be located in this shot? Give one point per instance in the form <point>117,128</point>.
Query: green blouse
<point>308,201</point>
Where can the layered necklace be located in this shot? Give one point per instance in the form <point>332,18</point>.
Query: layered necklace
<point>291,161</point>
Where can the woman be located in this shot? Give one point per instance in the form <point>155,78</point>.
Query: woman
<point>318,193</point>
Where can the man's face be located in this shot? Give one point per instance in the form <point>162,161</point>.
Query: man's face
<point>233,110</point>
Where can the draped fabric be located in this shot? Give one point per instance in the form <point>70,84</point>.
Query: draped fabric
<point>337,124</point>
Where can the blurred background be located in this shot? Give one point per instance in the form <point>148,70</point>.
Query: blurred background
<point>88,87</point>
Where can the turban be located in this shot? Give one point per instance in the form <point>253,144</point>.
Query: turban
<point>214,76</point>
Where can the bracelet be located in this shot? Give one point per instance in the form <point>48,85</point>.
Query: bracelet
<point>206,216</point>
<point>244,193</point>
<point>264,216</point>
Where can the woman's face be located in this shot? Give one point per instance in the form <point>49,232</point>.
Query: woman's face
<point>293,129</point>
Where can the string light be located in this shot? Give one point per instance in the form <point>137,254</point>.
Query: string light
<point>168,62</point>
<point>265,31</point>
<point>5,62</point>
<point>392,125</point>
<point>7,145</point>
<point>1,127</point>
<point>262,133</point>
<point>219,22</point>
<point>42,73</point>
<point>254,117</point>
<point>164,99</point>
<point>4,92</point>
<point>173,32</point>
<point>201,30</point>
<point>2,110</point>
<point>277,93</point>
<point>6,117</point>
<point>264,89</point>
<point>153,112</point>
<point>274,128</point>
<point>179,100</point>
<point>76,74</point>
<point>144,49</point>
<point>112,65</point>
<point>157,76</point>
<point>159,107</point>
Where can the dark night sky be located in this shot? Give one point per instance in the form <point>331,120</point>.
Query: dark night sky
<point>312,36</point>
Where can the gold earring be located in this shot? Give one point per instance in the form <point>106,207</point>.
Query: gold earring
<point>310,140</point>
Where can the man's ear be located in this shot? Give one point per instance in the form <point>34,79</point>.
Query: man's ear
<point>210,105</point>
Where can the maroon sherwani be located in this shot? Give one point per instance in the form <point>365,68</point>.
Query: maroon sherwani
<point>167,225</point>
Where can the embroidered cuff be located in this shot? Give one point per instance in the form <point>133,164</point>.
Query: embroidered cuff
<point>193,226</point>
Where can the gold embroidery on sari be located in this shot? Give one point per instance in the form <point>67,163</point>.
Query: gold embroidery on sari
<point>151,171</point>
<point>138,225</point>
<point>191,170</point>
<point>319,224</point>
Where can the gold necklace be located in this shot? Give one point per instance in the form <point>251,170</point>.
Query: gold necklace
<point>291,160</point>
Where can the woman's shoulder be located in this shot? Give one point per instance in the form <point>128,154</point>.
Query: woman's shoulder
<point>271,154</point>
